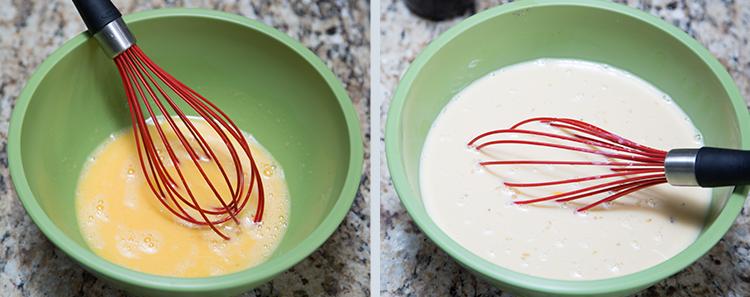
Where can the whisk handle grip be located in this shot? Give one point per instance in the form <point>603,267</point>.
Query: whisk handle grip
<point>718,167</point>
<point>106,25</point>
<point>96,13</point>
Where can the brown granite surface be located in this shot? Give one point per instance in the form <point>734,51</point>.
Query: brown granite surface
<point>336,31</point>
<point>412,265</point>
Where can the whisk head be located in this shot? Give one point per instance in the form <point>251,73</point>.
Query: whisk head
<point>633,166</point>
<point>152,95</point>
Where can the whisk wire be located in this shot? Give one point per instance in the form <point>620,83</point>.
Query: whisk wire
<point>597,132</point>
<point>570,148</point>
<point>137,117</point>
<point>172,192</point>
<point>202,143</point>
<point>152,154</point>
<point>146,85</point>
<point>136,71</point>
<point>620,187</point>
<point>221,122</point>
<point>646,163</point>
<point>580,179</point>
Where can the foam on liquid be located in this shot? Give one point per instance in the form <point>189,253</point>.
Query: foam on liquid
<point>471,204</point>
<point>123,222</point>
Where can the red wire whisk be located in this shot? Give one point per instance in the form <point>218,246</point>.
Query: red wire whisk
<point>632,166</point>
<point>153,96</point>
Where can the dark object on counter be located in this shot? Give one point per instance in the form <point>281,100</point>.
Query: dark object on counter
<point>439,9</point>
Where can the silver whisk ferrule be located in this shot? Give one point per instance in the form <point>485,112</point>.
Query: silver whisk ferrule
<point>679,167</point>
<point>115,38</point>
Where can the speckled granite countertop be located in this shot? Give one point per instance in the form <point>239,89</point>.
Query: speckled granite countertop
<point>412,265</point>
<point>336,31</point>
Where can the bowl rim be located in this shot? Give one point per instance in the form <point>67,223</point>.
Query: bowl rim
<point>524,282</point>
<point>262,272</point>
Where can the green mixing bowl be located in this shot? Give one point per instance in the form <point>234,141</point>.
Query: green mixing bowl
<point>592,30</point>
<point>269,84</point>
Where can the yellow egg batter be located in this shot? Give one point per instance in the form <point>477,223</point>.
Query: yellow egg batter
<point>123,222</point>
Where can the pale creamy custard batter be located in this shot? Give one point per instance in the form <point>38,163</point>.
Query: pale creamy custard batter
<point>123,222</point>
<point>471,204</point>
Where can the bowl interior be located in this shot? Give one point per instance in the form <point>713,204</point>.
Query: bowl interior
<point>596,31</point>
<point>270,85</point>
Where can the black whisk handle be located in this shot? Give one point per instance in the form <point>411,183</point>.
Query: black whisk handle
<point>106,25</point>
<point>717,167</point>
<point>96,13</point>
